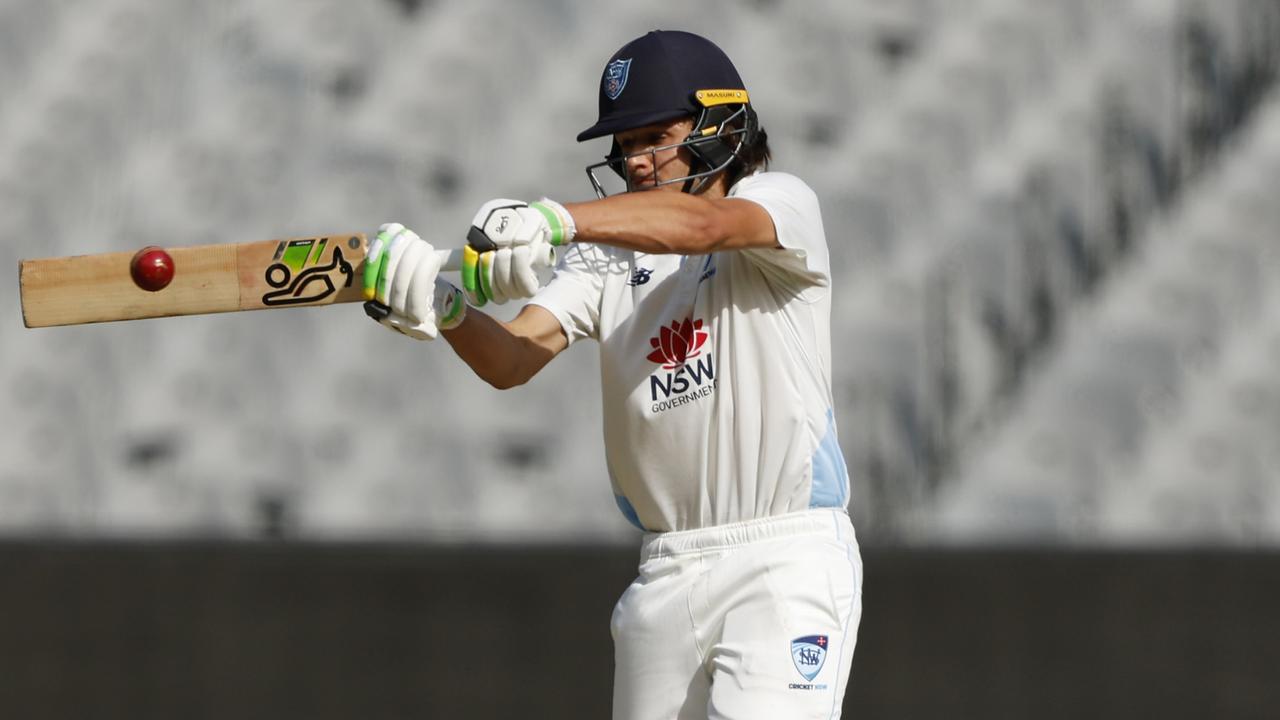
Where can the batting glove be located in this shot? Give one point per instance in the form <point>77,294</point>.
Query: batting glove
<point>507,240</point>
<point>402,273</point>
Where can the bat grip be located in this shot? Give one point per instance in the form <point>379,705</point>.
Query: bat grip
<point>452,260</point>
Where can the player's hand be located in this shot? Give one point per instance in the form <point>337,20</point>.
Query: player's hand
<point>507,240</point>
<point>402,273</point>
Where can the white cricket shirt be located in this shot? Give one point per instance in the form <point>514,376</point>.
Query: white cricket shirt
<point>716,369</point>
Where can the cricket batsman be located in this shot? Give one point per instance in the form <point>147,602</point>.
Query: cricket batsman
<point>707,287</point>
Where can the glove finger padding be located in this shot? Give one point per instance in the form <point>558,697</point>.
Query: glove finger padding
<point>500,275</point>
<point>392,255</point>
<point>402,275</point>
<point>523,281</point>
<point>484,273</point>
<point>509,272</point>
<point>374,257</point>
<point>420,297</point>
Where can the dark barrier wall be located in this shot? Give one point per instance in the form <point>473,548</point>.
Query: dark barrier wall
<point>324,631</point>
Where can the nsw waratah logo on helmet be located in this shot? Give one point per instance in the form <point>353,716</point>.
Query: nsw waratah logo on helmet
<point>615,77</point>
<point>809,653</point>
<point>677,342</point>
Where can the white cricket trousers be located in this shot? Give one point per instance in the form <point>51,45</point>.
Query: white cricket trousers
<point>753,620</point>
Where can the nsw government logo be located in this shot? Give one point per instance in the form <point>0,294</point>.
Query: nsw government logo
<point>687,373</point>
<point>809,653</point>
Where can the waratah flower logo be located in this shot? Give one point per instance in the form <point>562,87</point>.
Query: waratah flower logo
<point>677,343</point>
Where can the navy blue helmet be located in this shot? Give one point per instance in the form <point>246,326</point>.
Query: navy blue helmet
<point>667,75</point>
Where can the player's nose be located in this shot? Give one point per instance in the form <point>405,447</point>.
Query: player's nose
<point>637,160</point>
<point>639,166</point>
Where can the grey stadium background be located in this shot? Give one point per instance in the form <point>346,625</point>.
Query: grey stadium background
<point>1054,227</point>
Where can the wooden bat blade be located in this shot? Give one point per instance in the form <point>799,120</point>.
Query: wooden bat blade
<point>295,272</point>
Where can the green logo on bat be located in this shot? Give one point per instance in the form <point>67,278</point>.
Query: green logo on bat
<point>297,277</point>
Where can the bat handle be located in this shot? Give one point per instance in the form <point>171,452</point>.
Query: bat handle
<point>452,260</point>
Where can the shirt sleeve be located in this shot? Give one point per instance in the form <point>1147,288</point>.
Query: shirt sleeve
<point>575,291</point>
<point>802,262</point>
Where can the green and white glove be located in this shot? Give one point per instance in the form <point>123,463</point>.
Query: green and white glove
<point>507,241</point>
<point>402,272</point>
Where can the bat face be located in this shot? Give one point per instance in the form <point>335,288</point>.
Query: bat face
<point>206,279</point>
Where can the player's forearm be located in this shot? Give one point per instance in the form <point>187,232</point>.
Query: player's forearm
<point>497,352</point>
<point>669,222</point>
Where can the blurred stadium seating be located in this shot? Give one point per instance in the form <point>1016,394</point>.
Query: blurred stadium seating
<point>1052,227</point>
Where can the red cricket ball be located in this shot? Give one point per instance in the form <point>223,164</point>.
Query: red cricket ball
<point>151,268</point>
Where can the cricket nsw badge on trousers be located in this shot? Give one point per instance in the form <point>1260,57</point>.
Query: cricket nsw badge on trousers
<point>808,653</point>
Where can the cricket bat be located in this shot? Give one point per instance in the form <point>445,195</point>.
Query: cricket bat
<point>294,272</point>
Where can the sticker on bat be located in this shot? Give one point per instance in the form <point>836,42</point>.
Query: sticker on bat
<point>297,284</point>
